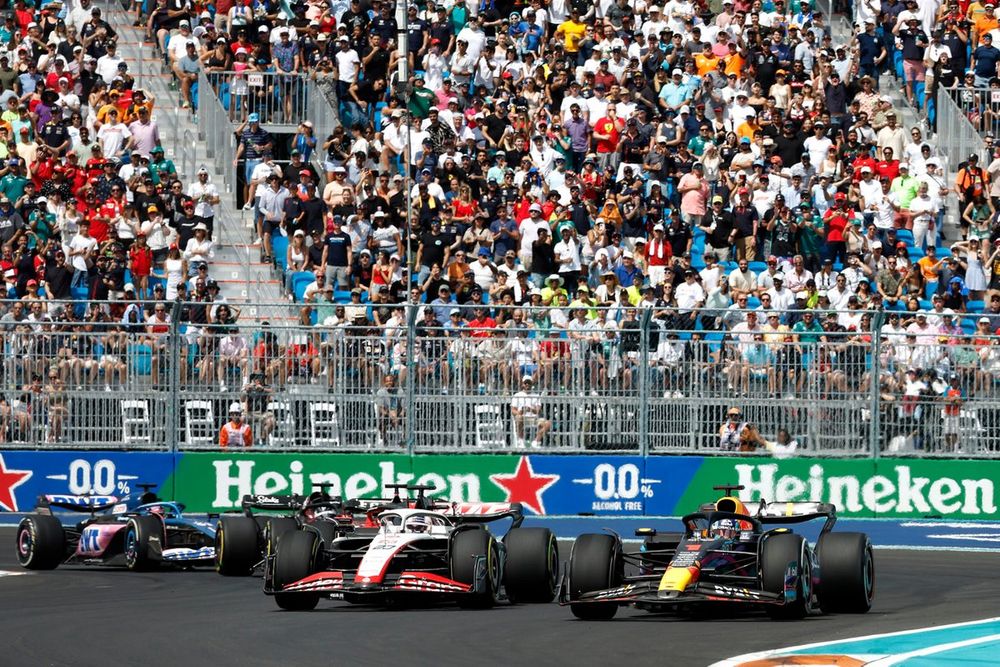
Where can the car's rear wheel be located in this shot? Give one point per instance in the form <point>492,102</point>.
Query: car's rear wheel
<point>466,547</point>
<point>846,573</point>
<point>40,542</point>
<point>532,565</point>
<point>237,548</point>
<point>595,564</point>
<point>274,528</point>
<point>295,558</point>
<point>778,553</point>
<point>139,532</point>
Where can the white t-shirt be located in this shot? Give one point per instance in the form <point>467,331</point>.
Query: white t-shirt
<point>348,64</point>
<point>86,244</point>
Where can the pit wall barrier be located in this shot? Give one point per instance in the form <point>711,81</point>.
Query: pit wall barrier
<point>544,484</point>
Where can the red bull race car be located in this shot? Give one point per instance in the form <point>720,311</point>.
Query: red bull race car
<point>420,550</point>
<point>138,531</point>
<point>726,556</point>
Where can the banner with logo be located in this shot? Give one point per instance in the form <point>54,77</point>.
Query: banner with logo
<point>217,482</point>
<point>543,484</point>
<point>26,475</point>
<point>885,488</point>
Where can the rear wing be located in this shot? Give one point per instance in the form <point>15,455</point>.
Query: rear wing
<point>469,513</point>
<point>764,512</point>
<point>73,503</point>
<point>272,503</point>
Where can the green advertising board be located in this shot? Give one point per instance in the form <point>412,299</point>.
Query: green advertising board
<point>614,485</point>
<point>900,488</point>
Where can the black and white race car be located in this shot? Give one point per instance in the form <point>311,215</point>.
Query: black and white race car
<point>423,550</point>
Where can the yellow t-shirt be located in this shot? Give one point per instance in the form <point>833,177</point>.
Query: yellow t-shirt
<point>572,33</point>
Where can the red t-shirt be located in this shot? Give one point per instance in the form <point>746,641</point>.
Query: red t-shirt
<point>140,260</point>
<point>887,169</point>
<point>836,222</point>
<point>610,128</point>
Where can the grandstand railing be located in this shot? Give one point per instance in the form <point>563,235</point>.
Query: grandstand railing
<point>310,383</point>
<point>964,116</point>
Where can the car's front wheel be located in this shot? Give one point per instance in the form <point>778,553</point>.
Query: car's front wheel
<point>295,558</point>
<point>596,564</point>
<point>40,542</point>
<point>846,573</point>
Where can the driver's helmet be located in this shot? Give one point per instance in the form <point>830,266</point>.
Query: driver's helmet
<point>728,529</point>
<point>418,524</point>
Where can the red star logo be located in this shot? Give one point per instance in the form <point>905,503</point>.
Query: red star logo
<point>10,480</point>
<point>524,486</point>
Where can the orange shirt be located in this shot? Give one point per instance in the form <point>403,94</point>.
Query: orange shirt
<point>706,63</point>
<point>734,64</point>
<point>235,434</point>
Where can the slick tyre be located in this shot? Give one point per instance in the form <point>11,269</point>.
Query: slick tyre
<point>40,542</point>
<point>595,564</point>
<point>467,547</point>
<point>777,554</point>
<point>143,534</point>
<point>847,573</point>
<point>274,528</point>
<point>237,548</point>
<point>532,566</point>
<point>295,558</point>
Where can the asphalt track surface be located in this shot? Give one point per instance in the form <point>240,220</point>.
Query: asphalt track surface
<point>83,616</point>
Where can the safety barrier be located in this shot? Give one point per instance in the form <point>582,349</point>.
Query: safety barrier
<point>605,485</point>
<point>362,377</point>
<point>964,117</point>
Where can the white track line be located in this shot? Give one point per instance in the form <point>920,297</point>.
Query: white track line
<point>773,653</point>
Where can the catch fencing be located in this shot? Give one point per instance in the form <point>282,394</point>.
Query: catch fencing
<point>964,117</point>
<point>321,378</point>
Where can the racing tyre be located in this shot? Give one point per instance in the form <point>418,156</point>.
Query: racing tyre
<point>274,528</point>
<point>41,542</point>
<point>294,559</point>
<point>466,547</point>
<point>777,554</point>
<point>140,533</point>
<point>236,547</point>
<point>847,573</point>
<point>595,564</point>
<point>532,565</point>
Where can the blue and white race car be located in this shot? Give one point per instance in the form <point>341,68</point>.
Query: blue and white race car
<point>138,531</point>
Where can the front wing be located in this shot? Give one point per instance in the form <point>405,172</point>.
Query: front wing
<point>344,584</point>
<point>645,593</point>
<point>334,583</point>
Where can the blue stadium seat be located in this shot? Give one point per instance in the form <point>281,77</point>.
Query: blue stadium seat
<point>279,245</point>
<point>753,302</point>
<point>943,252</point>
<point>975,306</point>
<point>301,280</point>
<point>341,296</point>
<point>905,235</point>
<point>915,253</point>
<point>925,304</point>
<point>142,359</point>
<point>968,325</point>
<point>929,290</point>
<point>758,267</point>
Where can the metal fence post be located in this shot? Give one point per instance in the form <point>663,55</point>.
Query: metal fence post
<point>643,407</point>
<point>410,412</point>
<point>874,443</point>
<point>172,403</point>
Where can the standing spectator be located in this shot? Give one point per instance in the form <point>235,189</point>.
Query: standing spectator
<point>206,197</point>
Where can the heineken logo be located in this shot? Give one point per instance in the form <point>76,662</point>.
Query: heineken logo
<point>237,478</point>
<point>901,492</point>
